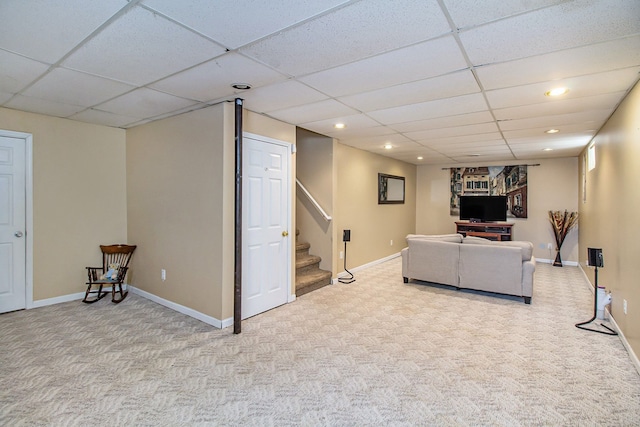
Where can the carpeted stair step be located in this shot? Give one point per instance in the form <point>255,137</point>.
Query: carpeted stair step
<point>309,276</point>
<point>307,263</point>
<point>311,281</point>
<point>302,249</point>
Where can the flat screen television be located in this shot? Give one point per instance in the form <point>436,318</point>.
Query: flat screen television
<point>483,208</point>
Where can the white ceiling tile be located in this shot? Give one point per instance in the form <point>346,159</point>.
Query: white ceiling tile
<point>258,19</point>
<point>377,142</point>
<point>4,97</point>
<point>477,149</point>
<point>421,61</point>
<point>579,87</point>
<point>612,55</point>
<point>586,128</point>
<point>480,139</point>
<point>467,13</point>
<point>505,156</point>
<point>444,122</point>
<point>280,96</point>
<point>560,106</point>
<point>140,48</point>
<point>17,72</point>
<point>47,30</point>
<point>360,133</point>
<point>354,123</point>
<point>451,85</point>
<point>43,106</point>
<point>428,158</point>
<point>143,103</point>
<point>357,31</point>
<point>481,128</point>
<point>432,109</point>
<point>73,87</point>
<point>319,110</point>
<point>91,115</point>
<point>557,120</point>
<point>574,139</point>
<point>568,25</point>
<point>213,79</point>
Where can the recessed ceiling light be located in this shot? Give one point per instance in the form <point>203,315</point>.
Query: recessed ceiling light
<point>241,86</point>
<point>547,149</point>
<point>388,146</point>
<point>557,91</point>
<point>339,126</point>
<point>420,157</point>
<point>552,131</point>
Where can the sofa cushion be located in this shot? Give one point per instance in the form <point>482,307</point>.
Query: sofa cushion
<point>473,240</point>
<point>527,247</point>
<point>451,238</point>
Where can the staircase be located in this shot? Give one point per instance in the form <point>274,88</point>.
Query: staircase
<point>309,276</point>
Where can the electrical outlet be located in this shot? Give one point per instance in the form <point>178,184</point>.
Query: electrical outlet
<point>549,246</point>
<point>341,254</point>
<point>391,243</point>
<point>624,306</point>
<point>163,274</point>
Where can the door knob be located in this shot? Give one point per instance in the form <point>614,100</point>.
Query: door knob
<point>18,234</point>
<point>285,233</point>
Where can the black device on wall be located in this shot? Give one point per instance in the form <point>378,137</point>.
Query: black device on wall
<point>346,237</point>
<point>594,257</point>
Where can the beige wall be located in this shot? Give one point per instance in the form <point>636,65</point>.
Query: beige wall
<point>174,188</point>
<point>316,172</point>
<point>79,197</point>
<point>372,226</point>
<point>181,184</point>
<point>551,186</point>
<point>608,218</point>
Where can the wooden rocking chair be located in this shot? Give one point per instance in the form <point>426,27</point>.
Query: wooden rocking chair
<point>115,263</point>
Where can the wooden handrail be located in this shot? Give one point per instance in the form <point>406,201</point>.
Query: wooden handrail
<point>326,216</point>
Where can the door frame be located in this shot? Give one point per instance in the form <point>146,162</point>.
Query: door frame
<point>291,296</point>
<point>28,170</point>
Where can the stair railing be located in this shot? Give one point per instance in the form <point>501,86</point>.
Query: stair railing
<point>313,201</point>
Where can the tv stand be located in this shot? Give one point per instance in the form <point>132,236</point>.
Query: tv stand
<point>489,230</point>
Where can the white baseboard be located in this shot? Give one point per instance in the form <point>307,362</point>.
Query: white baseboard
<point>362,267</point>
<point>184,310</point>
<point>57,300</point>
<point>65,298</point>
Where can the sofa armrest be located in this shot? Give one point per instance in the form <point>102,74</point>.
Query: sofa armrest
<point>528,268</point>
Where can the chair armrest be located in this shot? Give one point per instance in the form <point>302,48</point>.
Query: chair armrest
<point>92,273</point>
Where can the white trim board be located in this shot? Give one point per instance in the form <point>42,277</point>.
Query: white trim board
<point>209,320</point>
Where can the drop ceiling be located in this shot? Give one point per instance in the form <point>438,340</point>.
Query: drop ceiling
<point>450,81</point>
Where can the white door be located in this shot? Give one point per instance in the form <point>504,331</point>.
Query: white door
<point>12,224</point>
<point>266,247</point>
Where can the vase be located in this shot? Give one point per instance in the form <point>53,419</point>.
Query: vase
<point>558,261</point>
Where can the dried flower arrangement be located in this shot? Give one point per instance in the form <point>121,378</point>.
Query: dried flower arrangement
<point>561,222</point>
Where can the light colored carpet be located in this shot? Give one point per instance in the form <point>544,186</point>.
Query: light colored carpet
<point>374,352</point>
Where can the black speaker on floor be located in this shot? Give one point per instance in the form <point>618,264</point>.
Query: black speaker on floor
<point>594,257</point>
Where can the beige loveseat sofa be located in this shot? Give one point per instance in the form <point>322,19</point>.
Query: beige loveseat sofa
<point>471,263</point>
